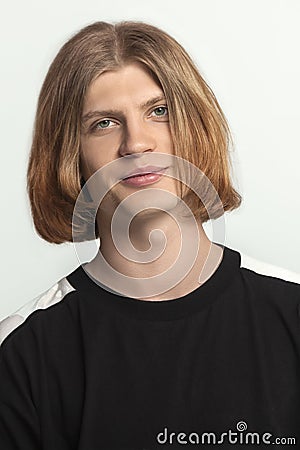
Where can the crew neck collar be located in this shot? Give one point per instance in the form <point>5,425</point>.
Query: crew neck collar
<point>177,308</point>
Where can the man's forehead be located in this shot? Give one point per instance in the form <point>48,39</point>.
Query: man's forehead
<point>131,76</point>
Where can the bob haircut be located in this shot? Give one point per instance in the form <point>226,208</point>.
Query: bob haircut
<point>198,127</point>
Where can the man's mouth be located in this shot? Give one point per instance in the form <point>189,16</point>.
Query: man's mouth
<point>143,171</point>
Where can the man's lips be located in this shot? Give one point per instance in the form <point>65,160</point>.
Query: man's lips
<point>144,171</point>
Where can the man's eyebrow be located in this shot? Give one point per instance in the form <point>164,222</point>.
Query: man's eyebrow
<point>109,112</point>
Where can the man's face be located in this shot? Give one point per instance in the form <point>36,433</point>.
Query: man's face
<point>119,126</point>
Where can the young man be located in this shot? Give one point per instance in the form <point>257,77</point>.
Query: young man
<point>132,349</point>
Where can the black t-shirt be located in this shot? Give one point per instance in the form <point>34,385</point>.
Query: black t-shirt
<point>83,368</point>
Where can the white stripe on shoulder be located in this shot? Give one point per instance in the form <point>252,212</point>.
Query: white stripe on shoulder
<point>48,298</point>
<point>264,268</point>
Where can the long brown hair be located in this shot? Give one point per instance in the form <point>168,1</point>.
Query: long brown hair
<point>198,126</point>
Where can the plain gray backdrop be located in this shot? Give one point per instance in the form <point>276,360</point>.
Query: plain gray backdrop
<point>248,52</point>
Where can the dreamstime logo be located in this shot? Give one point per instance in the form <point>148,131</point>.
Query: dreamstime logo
<point>106,183</point>
<point>232,437</point>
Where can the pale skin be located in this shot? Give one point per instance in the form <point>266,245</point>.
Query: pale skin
<point>135,131</point>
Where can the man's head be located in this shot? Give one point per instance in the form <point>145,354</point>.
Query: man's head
<point>64,151</point>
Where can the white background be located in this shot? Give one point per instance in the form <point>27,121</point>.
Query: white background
<point>248,51</point>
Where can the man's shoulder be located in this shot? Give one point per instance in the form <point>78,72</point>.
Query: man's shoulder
<point>52,296</point>
<point>265,269</point>
<point>270,284</point>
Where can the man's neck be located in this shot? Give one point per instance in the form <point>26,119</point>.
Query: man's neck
<point>153,252</point>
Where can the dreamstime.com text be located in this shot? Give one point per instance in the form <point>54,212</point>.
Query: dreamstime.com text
<point>238,436</point>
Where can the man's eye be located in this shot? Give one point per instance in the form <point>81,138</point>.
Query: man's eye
<point>102,124</point>
<point>161,110</point>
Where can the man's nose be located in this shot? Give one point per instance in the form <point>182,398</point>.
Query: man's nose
<point>138,138</point>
